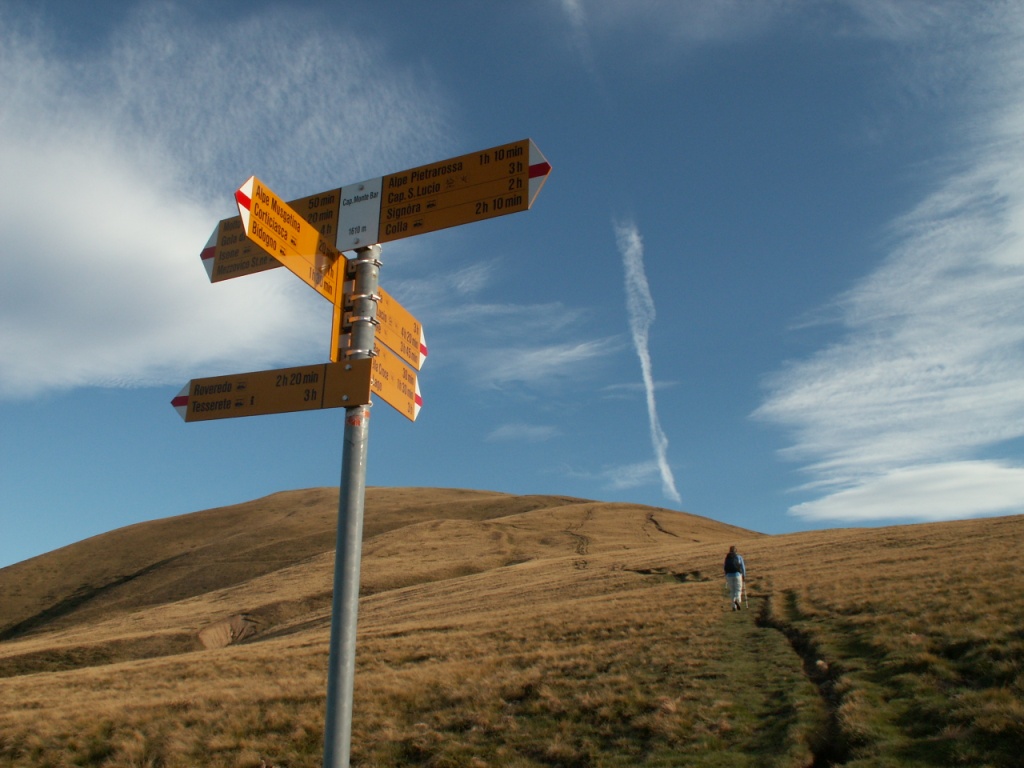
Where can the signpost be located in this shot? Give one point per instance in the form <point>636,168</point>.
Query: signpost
<point>481,185</point>
<point>270,232</point>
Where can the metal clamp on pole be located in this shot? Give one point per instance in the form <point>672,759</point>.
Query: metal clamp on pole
<point>351,318</point>
<point>371,296</point>
<point>361,258</point>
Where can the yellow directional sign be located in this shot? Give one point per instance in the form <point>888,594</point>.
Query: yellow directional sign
<point>400,330</point>
<point>305,388</point>
<point>229,253</point>
<point>395,383</point>
<point>278,229</point>
<point>480,185</point>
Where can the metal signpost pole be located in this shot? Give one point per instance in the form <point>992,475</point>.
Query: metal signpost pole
<point>348,555</point>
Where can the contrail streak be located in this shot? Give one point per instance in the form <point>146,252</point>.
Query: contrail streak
<point>640,306</point>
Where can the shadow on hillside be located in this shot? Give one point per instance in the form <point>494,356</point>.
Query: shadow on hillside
<point>75,601</point>
<point>100,654</point>
<point>680,576</point>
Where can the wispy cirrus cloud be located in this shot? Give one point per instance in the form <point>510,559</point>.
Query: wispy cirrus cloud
<point>617,477</point>
<point>116,166</point>
<point>710,20</point>
<point>902,417</point>
<point>636,475</point>
<point>689,22</point>
<point>540,364</point>
<point>640,308</point>
<point>525,433</point>
<point>576,16</point>
<point>500,344</point>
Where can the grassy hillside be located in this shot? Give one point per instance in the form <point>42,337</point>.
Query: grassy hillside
<point>516,631</point>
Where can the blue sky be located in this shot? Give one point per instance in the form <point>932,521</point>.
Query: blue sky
<point>774,278</point>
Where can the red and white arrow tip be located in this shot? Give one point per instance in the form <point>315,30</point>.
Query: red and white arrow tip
<point>539,170</point>
<point>243,196</point>
<point>180,402</point>
<point>417,400</point>
<point>209,252</point>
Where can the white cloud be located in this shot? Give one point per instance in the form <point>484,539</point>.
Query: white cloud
<point>526,433</point>
<point>540,364</point>
<point>630,476</point>
<point>630,389</point>
<point>698,21</point>
<point>576,15</point>
<point>496,320</point>
<point>619,477</point>
<point>945,491</point>
<point>501,344</point>
<point>116,168</point>
<point>930,372</point>
<point>902,21</point>
<point>689,22</point>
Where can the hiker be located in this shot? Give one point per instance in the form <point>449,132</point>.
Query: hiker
<point>735,572</point>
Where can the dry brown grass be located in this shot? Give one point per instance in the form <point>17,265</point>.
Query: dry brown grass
<point>922,625</point>
<point>507,631</point>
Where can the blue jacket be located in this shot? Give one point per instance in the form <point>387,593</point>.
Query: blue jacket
<point>734,564</point>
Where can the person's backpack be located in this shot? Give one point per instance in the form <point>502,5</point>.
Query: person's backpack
<point>732,563</point>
